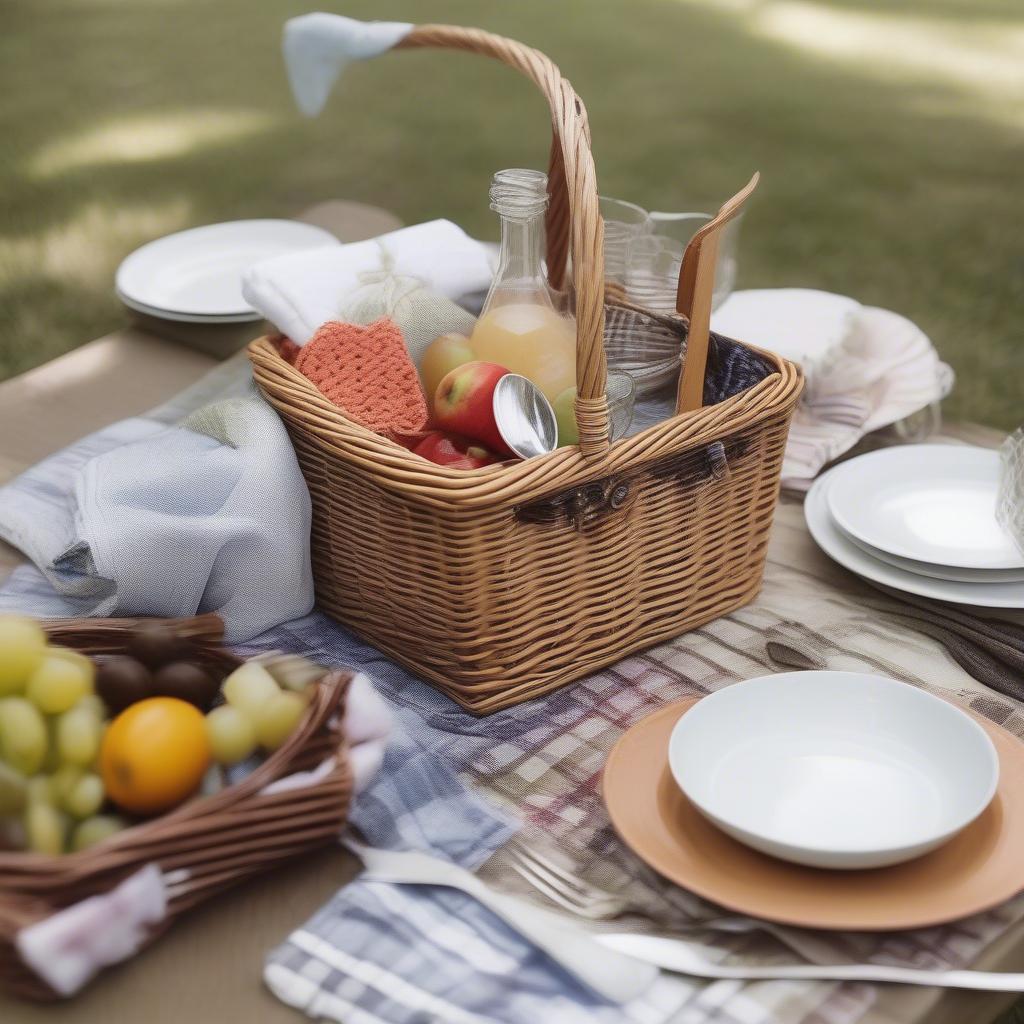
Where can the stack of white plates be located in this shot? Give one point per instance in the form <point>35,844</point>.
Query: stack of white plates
<point>196,275</point>
<point>920,519</point>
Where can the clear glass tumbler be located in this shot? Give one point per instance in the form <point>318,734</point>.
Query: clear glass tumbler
<point>652,274</point>
<point>623,223</point>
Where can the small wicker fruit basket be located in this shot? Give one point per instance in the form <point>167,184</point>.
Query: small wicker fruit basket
<point>204,846</point>
<point>502,583</point>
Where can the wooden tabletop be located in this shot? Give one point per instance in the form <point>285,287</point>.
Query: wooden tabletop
<point>208,967</point>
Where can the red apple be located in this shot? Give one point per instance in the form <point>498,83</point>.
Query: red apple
<point>440,357</point>
<point>464,404</point>
<point>453,451</point>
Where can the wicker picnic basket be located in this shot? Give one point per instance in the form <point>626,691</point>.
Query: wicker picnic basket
<point>500,584</point>
<point>206,845</point>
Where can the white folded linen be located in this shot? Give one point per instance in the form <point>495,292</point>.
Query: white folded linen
<point>318,47</point>
<point>301,291</point>
<point>866,368</point>
<point>212,515</point>
<point>800,324</point>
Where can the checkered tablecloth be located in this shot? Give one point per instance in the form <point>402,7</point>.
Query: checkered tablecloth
<point>460,786</point>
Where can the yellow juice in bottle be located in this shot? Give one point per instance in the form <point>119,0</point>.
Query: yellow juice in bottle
<point>532,340</point>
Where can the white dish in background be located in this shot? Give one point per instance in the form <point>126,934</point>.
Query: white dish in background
<point>834,769</point>
<point>196,275</point>
<point>930,503</point>
<point>841,549</point>
<point>163,314</point>
<point>940,572</point>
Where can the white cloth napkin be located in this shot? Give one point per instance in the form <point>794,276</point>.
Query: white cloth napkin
<point>866,368</point>
<point>300,291</point>
<point>800,324</point>
<point>318,47</point>
<point>211,515</point>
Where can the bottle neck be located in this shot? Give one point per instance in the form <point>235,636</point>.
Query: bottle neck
<point>520,257</point>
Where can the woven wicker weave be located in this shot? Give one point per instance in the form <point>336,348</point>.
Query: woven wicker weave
<point>500,584</point>
<point>210,843</point>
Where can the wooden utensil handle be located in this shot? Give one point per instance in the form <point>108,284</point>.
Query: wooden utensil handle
<point>695,294</point>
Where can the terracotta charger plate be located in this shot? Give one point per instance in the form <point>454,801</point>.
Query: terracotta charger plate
<point>977,869</point>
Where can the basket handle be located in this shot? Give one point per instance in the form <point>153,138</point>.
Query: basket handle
<point>693,298</point>
<point>573,220</point>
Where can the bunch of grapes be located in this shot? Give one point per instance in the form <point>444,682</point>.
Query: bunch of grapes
<point>51,727</point>
<point>257,713</point>
<point>62,765</point>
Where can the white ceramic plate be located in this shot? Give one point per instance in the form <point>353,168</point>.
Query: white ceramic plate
<point>940,572</point>
<point>930,503</point>
<point>163,314</point>
<point>834,769</point>
<point>841,549</point>
<point>197,274</point>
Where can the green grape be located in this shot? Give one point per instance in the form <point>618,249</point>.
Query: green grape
<point>85,797</point>
<point>59,683</point>
<point>231,734</point>
<point>248,687</point>
<point>45,829</point>
<point>22,735</point>
<point>51,759</point>
<point>38,790</point>
<point>83,661</point>
<point>62,782</point>
<point>93,703</point>
<point>78,735</point>
<point>277,718</point>
<point>22,645</point>
<point>95,829</point>
<point>13,791</point>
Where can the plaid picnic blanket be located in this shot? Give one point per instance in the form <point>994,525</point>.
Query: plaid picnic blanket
<point>459,786</point>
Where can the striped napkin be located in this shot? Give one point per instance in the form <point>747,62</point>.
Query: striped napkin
<point>866,368</point>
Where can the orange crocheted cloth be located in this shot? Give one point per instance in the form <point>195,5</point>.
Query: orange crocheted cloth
<point>367,371</point>
<point>288,349</point>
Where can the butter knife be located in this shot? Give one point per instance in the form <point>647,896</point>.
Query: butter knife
<point>682,958</point>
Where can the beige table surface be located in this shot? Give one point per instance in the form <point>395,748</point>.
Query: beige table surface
<point>207,969</point>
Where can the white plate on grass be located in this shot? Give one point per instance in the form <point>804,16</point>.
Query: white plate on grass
<point>841,549</point>
<point>834,769</point>
<point>196,275</point>
<point>930,503</point>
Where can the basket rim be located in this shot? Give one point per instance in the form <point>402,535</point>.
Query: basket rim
<point>293,394</point>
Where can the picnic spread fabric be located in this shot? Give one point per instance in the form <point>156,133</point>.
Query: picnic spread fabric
<point>460,786</point>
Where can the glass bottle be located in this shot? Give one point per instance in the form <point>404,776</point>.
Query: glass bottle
<point>520,327</point>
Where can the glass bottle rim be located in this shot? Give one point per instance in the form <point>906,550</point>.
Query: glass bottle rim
<point>519,192</point>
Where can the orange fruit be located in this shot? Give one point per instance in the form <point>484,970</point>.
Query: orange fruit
<point>154,755</point>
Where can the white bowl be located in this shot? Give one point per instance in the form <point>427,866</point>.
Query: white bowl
<point>834,769</point>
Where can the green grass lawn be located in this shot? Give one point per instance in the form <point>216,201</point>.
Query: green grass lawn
<point>890,137</point>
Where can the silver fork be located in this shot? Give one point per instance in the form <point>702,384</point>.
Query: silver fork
<point>561,886</point>
<point>590,902</point>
